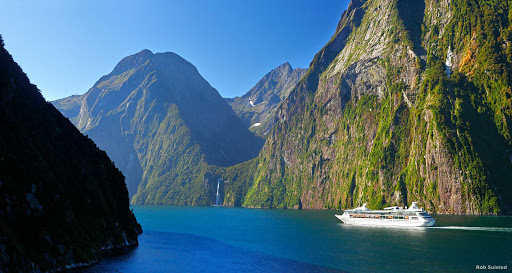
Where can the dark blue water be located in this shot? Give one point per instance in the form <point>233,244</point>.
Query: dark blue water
<point>220,239</point>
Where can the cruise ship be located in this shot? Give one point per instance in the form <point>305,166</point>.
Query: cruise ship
<point>391,216</point>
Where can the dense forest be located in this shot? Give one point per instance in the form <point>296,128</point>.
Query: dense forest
<point>62,200</point>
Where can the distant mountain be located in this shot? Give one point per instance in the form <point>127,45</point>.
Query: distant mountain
<point>257,108</point>
<point>62,201</point>
<point>69,106</point>
<point>163,125</point>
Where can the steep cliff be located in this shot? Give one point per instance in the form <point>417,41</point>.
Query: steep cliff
<point>164,126</point>
<point>62,200</point>
<point>257,108</point>
<point>409,101</point>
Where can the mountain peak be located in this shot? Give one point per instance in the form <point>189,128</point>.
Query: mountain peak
<point>145,52</point>
<point>256,107</point>
<point>285,66</point>
<point>133,61</point>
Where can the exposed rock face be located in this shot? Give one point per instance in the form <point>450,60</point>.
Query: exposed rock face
<point>377,119</point>
<point>62,201</point>
<point>258,106</point>
<point>163,125</point>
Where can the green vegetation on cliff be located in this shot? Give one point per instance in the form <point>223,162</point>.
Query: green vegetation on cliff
<point>409,101</point>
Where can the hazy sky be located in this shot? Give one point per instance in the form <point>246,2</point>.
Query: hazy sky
<point>66,46</point>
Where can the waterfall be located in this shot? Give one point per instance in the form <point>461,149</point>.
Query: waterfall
<point>217,200</point>
<point>448,63</point>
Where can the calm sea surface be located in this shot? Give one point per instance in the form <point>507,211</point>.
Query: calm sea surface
<point>220,239</point>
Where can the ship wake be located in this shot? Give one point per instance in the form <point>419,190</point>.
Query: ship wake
<point>498,229</point>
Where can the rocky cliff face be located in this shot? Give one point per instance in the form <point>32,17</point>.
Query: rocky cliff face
<point>257,108</point>
<point>163,125</point>
<point>62,201</point>
<point>409,101</point>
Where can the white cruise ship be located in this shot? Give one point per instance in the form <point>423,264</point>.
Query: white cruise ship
<point>391,216</point>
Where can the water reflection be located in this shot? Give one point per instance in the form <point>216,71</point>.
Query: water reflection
<point>496,229</point>
<point>390,229</point>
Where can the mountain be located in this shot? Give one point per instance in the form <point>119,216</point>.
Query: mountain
<point>163,125</point>
<point>258,106</point>
<point>69,107</point>
<point>410,100</point>
<point>62,201</point>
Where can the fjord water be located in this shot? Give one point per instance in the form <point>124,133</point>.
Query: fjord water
<point>221,239</point>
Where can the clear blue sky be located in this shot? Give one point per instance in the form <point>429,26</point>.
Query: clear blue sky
<point>66,46</point>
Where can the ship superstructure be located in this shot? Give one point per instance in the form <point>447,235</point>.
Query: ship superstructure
<point>390,216</point>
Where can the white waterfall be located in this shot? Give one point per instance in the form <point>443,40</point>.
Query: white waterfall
<point>217,200</point>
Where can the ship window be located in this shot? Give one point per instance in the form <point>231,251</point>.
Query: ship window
<point>414,218</point>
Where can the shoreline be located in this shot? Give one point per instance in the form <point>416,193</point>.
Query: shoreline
<point>253,207</point>
<point>106,251</point>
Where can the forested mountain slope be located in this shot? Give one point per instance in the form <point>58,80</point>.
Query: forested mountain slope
<point>409,101</point>
<point>62,200</point>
